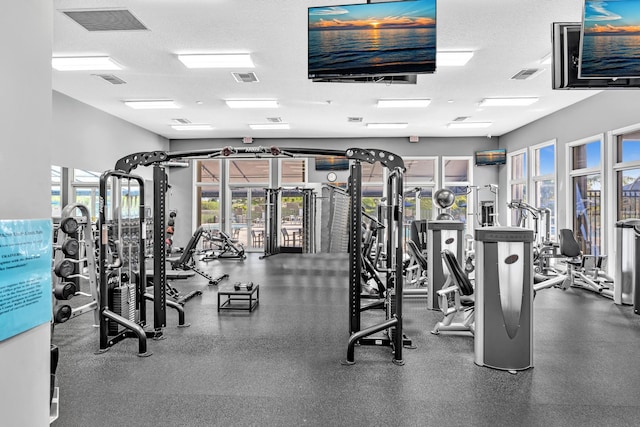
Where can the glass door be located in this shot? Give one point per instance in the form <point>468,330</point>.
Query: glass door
<point>246,221</point>
<point>291,213</point>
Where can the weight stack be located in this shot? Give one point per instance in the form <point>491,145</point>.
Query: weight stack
<point>123,303</point>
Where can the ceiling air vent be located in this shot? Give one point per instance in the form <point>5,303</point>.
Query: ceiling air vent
<point>460,119</point>
<point>114,80</point>
<point>354,119</point>
<point>181,121</point>
<point>105,19</point>
<point>274,119</point>
<point>245,77</point>
<point>527,73</point>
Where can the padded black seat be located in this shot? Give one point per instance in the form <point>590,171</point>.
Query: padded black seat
<point>458,276</point>
<point>569,246</point>
<point>413,247</point>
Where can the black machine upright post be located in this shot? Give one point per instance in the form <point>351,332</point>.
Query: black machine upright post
<point>394,263</point>
<point>159,248</point>
<point>271,223</point>
<point>355,245</point>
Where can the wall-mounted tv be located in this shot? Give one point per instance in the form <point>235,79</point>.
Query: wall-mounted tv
<point>491,157</point>
<point>610,39</point>
<point>565,61</point>
<point>372,39</point>
<point>332,163</point>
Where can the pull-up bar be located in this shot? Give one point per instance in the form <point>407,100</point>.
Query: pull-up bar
<point>132,161</point>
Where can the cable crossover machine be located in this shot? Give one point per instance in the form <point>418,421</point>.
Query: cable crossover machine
<point>394,277</point>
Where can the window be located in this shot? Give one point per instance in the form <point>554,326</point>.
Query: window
<point>456,172</point>
<point>372,187</point>
<point>85,186</point>
<point>543,180</point>
<point>208,192</point>
<point>293,171</point>
<point>586,194</point>
<point>56,191</point>
<point>627,171</point>
<point>419,182</point>
<point>517,164</point>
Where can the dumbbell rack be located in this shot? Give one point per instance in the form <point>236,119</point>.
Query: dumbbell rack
<point>74,262</point>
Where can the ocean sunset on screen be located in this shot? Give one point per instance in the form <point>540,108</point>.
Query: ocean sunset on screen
<point>610,42</point>
<point>372,39</point>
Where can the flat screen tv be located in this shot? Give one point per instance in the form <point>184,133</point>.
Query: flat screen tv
<point>491,157</point>
<point>610,39</point>
<point>372,39</point>
<point>565,61</point>
<point>332,163</point>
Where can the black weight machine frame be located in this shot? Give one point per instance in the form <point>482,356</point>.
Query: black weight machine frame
<point>395,225</point>
<point>133,329</point>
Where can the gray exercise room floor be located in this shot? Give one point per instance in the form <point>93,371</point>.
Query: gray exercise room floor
<point>280,364</point>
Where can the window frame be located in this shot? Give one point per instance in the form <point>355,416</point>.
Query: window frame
<point>533,179</point>
<point>571,174</point>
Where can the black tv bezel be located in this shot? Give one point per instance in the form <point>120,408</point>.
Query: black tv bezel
<point>581,50</point>
<point>357,77</point>
<point>565,55</point>
<point>502,161</point>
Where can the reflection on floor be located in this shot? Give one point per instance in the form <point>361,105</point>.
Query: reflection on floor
<point>280,364</point>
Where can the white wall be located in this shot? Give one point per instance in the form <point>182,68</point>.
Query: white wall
<point>181,179</point>
<point>25,85</point>
<point>87,138</point>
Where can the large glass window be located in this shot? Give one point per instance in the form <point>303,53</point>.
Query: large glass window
<point>586,188</point>
<point>248,171</point>
<point>293,171</point>
<point>457,178</point>
<point>628,175</point>
<point>544,186</point>
<point>208,193</point>
<point>56,191</point>
<point>85,190</point>
<point>419,182</point>
<point>517,163</point>
<point>372,187</point>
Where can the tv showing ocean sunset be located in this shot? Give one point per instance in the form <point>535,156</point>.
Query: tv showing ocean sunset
<point>610,42</point>
<point>372,39</point>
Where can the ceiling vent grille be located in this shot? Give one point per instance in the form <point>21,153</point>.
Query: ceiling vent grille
<point>354,119</point>
<point>106,19</point>
<point>114,80</point>
<point>460,119</point>
<point>181,121</point>
<point>274,119</point>
<point>245,77</point>
<point>527,73</point>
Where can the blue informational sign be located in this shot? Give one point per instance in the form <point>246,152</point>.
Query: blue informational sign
<point>25,275</point>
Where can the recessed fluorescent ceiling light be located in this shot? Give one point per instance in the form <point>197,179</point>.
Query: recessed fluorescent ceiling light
<point>252,103</point>
<point>231,60</point>
<point>85,63</point>
<point>469,125</point>
<point>508,102</point>
<point>387,125</point>
<point>403,103</point>
<point>192,127</point>
<point>270,126</point>
<point>453,58</point>
<point>155,104</point>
